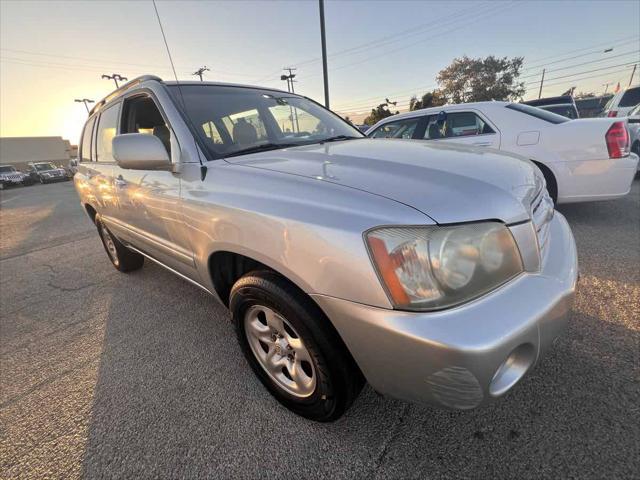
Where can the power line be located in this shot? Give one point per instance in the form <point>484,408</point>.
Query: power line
<point>581,64</point>
<point>628,64</point>
<point>611,42</point>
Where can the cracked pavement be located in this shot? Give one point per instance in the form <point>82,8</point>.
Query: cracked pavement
<point>139,376</point>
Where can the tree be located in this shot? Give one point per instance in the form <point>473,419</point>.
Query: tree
<point>378,113</point>
<point>481,79</point>
<point>429,99</point>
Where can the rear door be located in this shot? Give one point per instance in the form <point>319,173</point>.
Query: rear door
<point>95,179</point>
<point>468,127</point>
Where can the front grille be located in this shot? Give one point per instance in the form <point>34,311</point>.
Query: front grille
<point>541,215</point>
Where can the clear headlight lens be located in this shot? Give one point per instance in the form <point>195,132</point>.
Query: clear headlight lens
<point>425,268</point>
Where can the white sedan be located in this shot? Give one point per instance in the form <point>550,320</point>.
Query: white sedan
<point>582,160</point>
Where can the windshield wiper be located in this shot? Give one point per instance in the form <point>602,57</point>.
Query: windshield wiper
<point>338,138</point>
<point>261,148</point>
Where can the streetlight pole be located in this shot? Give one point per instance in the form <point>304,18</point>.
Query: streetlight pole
<point>324,54</point>
<point>85,101</point>
<point>115,77</point>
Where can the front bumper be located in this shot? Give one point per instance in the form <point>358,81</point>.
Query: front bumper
<point>468,355</point>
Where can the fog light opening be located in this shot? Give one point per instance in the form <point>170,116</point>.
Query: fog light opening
<point>512,369</point>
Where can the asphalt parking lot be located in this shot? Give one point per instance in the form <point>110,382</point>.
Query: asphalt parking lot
<point>139,376</point>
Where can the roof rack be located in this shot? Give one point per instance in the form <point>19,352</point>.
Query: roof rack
<point>121,89</point>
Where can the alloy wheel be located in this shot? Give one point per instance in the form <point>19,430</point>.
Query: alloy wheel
<point>280,351</point>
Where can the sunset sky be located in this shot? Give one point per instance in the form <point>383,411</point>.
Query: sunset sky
<point>53,52</point>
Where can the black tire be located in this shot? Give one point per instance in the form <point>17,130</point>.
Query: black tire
<point>338,380</point>
<point>121,257</point>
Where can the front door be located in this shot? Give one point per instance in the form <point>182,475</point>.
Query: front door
<point>149,208</point>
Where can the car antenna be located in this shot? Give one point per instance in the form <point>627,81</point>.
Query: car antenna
<point>203,168</point>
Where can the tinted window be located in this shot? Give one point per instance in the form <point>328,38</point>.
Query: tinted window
<point>141,115</point>
<point>538,113</point>
<point>397,129</point>
<point>630,98</point>
<point>457,124</point>
<point>568,111</point>
<point>107,126</point>
<point>85,147</point>
<point>234,120</point>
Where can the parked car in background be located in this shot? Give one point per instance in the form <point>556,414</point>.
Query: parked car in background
<point>46,172</point>
<point>582,160</point>
<point>633,119</point>
<point>10,177</point>
<point>563,105</point>
<point>622,102</point>
<point>438,274</point>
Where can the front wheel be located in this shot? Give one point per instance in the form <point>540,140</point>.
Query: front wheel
<point>121,257</point>
<point>292,347</point>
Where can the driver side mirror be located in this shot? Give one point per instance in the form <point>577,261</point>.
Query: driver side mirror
<point>140,151</point>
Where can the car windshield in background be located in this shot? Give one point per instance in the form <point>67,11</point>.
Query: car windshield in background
<point>236,120</point>
<point>7,169</point>
<point>538,113</point>
<point>42,167</point>
<point>630,98</point>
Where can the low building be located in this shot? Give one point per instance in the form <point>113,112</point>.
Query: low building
<point>19,151</point>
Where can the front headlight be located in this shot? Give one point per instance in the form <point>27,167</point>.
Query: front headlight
<point>428,268</point>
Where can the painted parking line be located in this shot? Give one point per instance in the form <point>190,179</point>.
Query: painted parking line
<point>7,200</point>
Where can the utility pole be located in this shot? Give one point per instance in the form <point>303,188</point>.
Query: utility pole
<point>85,101</point>
<point>541,82</point>
<point>289,78</point>
<point>632,74</point>
<point>606,87</point>
<point>324,54</point>
<point>200,71</point>
<point>115,77</point>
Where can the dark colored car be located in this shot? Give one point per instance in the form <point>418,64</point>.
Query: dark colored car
<point>46,172</point>
<point>563,105</point>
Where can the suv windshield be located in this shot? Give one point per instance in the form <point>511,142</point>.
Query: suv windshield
<point>237,120</point>
<point>7,169</point>
<point>41,167</point>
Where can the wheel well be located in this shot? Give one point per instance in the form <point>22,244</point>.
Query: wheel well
<point>91,212</point>
<point>226,268</point>
<point>552,184</point>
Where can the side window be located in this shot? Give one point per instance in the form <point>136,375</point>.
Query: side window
<point>457,124</point>
<point>141,115</point>
<point>85,147</point>
<point>397,129</point>
<point>106,131</point>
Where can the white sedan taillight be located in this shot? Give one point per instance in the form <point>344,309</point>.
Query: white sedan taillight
<point>617,139</point>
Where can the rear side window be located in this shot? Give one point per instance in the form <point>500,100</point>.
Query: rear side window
<point>397,129</point>
<point>85,148</point>
<point>107,127</point>
<point>537,113</point>
<point>630,98</point>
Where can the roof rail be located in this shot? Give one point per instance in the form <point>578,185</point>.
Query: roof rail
<point>121,89</point>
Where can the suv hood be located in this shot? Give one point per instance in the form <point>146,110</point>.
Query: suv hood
<point>449,183</point>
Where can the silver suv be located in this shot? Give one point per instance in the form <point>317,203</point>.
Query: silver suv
<point>433,274</point>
